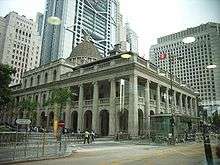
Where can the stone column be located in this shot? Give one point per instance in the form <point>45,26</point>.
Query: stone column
<point>181,103</point>
<point>95,119</point>
<point>195,108</point>
<point>147,107</point>
<point>167,100</point>
<point>38,122</point>
<point>158,100</point>
<point>113,113</point>
<point>68,116</point>
<point>186,105</point>
<point>174,101</point>
<point>56,130</point>
<point>38,111</point>
<point>133,105</point>
<point>80,108</point>
<point>48,119</point>
<point>190,108</point>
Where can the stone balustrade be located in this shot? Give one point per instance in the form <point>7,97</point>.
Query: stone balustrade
<point>104,101</point>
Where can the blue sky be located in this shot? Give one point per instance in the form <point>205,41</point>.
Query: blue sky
<point>149,18</point>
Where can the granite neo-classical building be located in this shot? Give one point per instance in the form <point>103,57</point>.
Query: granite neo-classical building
<point>97,104</point>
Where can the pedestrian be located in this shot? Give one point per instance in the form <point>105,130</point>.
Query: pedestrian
<point>86,137</point>
<point>78,134</point>
<point>93,135</point>
<point>170,137</point>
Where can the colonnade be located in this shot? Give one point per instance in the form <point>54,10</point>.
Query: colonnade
<point>181,103</point>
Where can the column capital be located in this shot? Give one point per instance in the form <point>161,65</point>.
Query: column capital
<point>94,82</point>
<point>147,81</point>
<point>111,79</point>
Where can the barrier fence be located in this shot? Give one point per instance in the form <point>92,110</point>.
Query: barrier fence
<point>32,145</point>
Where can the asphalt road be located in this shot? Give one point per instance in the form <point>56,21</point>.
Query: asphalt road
<point>114,153</point>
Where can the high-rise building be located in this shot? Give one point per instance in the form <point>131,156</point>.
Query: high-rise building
<point>192,69</point>
<point>56,41</point>
<point>19,44</point>
<point>131,38</point>
<point>96,18</point>
<point>39,22</point>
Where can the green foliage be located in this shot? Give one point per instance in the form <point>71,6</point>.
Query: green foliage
<point>28,105</point>
<point>5,78</point>
<point>216,119</point>
<point>59,96</point>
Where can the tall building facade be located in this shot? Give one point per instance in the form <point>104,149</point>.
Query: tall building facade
<point>131,38</point>
<point>95,18</point>
<point>99,20</point>
<point>19,44</point>
<point>192,69</point>
<point>56,41</point>
<point>39,22</point>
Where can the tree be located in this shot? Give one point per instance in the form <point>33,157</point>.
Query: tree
<point>59,96</point>
<point>29,106</point>
<point>5,78</point>
<point>216,120</point>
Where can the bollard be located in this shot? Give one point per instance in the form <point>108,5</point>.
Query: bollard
<point>38,148</point>
<point>14,153</point>
<point>43,145</point>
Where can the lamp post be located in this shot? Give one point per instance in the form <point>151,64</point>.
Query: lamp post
<point>171,59</point>
<point>206,139</point>
<point>207,146</point>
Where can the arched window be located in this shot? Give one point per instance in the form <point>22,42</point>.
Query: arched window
<point>46,77</point>
<point>44,98</point>
<point>38,79</point>
<point>54,75</point>
<point>25,83</point>
<point>36,98</point>
<point>31,82</point>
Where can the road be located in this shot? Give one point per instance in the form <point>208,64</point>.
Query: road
<point>115,153</point>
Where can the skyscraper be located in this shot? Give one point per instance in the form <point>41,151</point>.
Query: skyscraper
<point>98,18</point>
<point>131,38</point>
<point>19,44</point>
<point>192,69</point>
<point>39,23</point>
<point>56,41</point>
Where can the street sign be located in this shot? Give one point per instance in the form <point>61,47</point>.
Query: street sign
<point>23,121</point>
<point>61,123</point>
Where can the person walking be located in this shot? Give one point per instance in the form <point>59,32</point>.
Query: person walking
<point>86,137</point>
<point>93,135</point>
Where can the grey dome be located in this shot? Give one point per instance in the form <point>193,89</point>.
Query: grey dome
<point>85,49</point>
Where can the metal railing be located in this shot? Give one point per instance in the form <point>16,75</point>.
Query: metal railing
<point>32,146</point>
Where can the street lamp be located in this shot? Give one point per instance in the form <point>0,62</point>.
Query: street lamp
<point>54,20</point>
<point>126,55</point>
<point>206,139</point>
<point>189,39</point>
<point>213,66</point>
<point>171,59</point>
